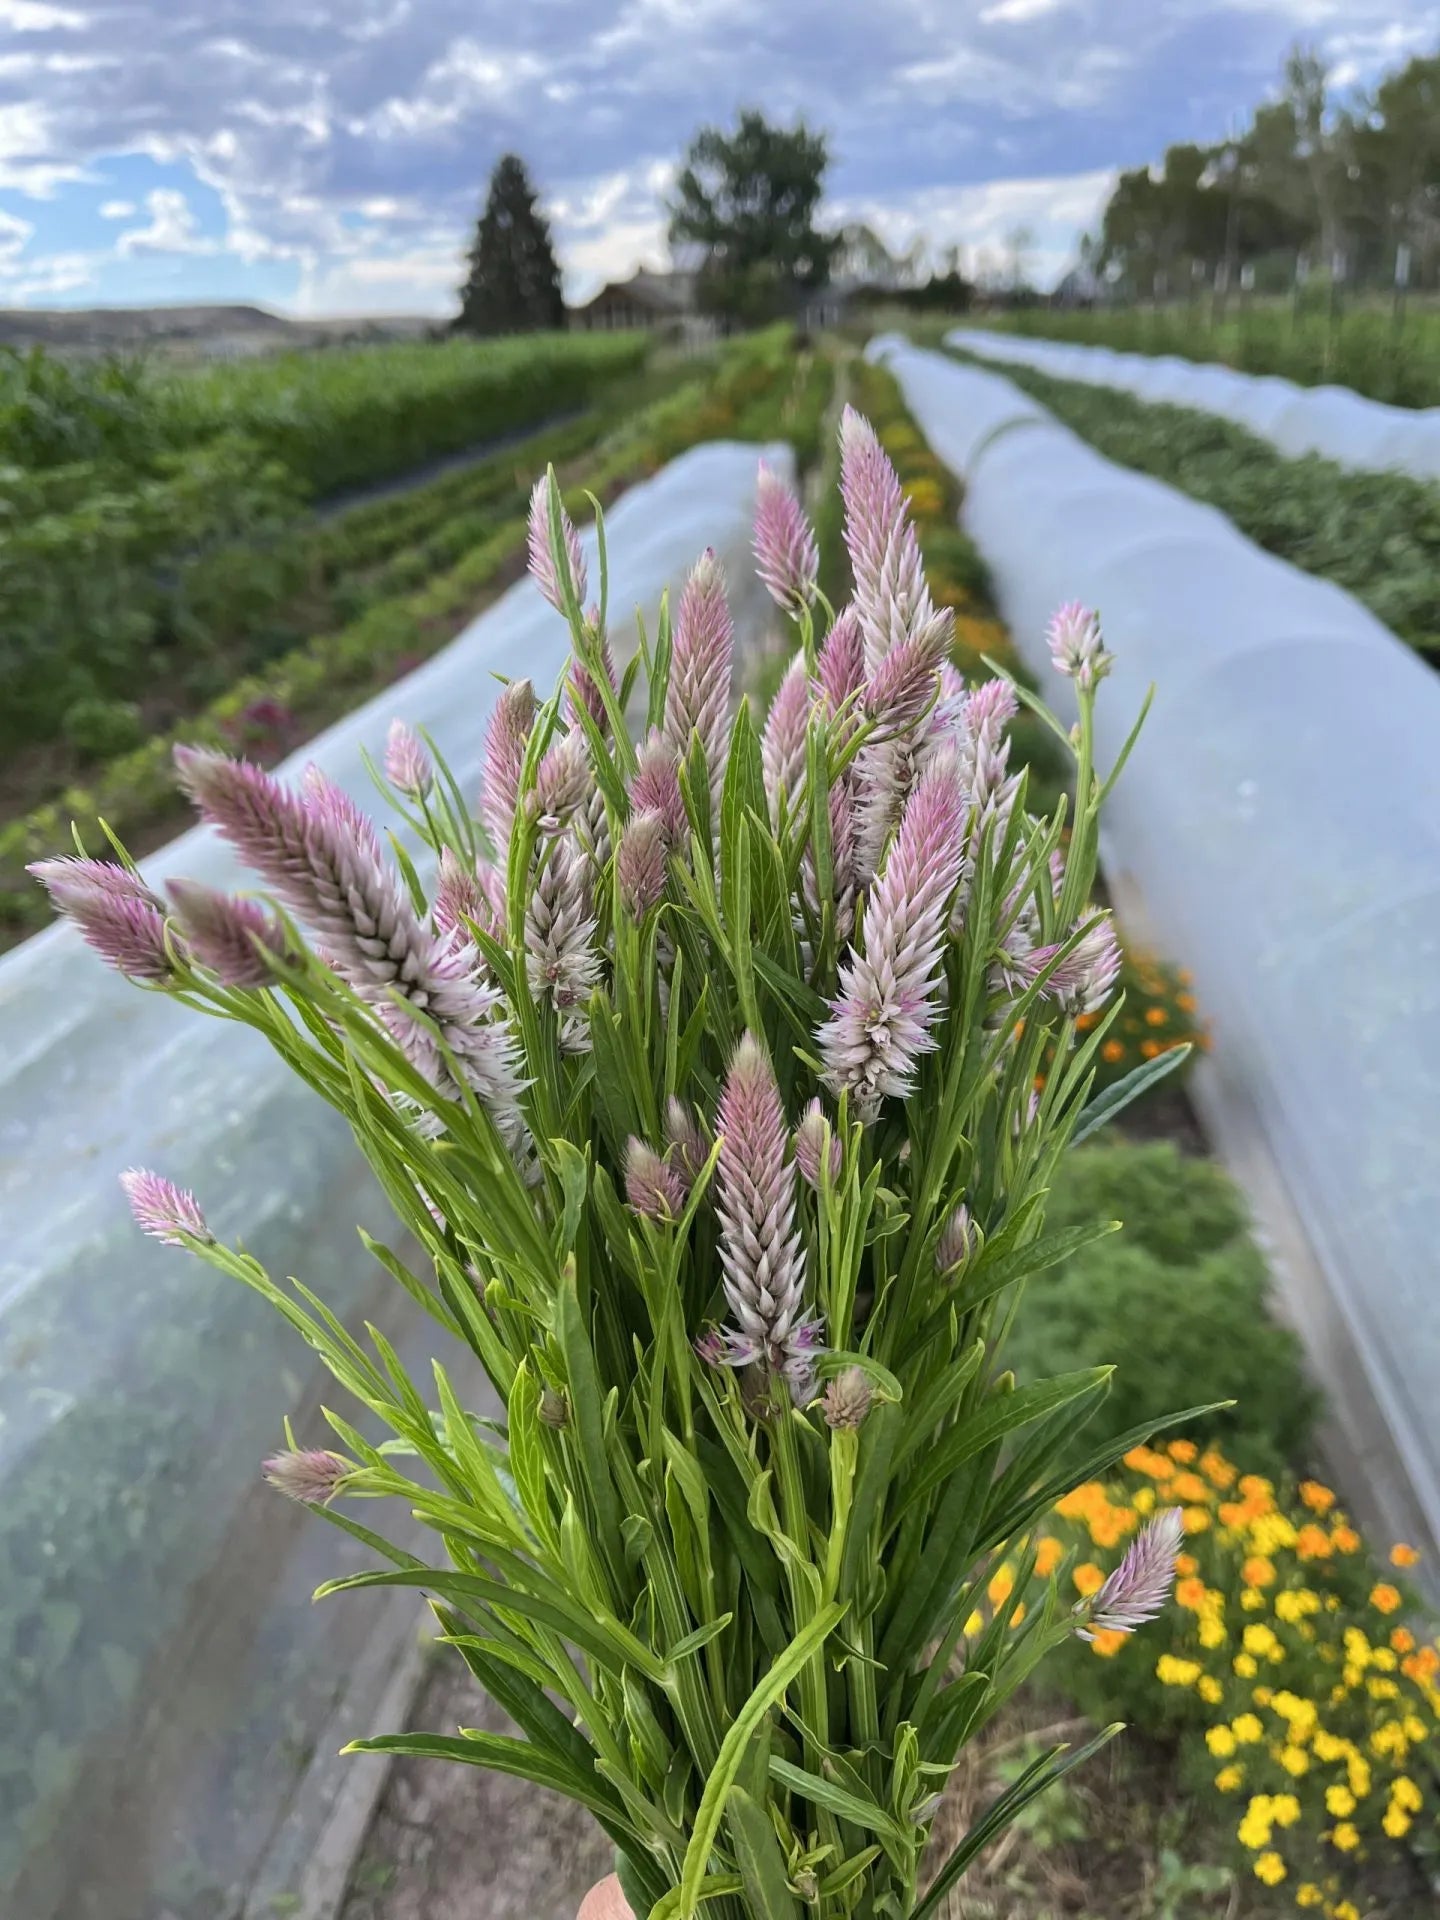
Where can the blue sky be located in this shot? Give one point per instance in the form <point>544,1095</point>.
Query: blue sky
<point>328,156</point>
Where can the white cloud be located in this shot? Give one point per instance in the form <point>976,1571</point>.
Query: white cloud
<point>28,160</point>
<point>118,209</point>
<point>1013,12</point>
<point>14,232</point>
<point>172,227</point>
<point>35,16</point>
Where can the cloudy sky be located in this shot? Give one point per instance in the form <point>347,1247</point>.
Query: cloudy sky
<point>327,156</point>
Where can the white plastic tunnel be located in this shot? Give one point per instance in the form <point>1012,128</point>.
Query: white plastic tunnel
<point>164,1677</point>
<point>1280,822</point>
<point>1335,422</point>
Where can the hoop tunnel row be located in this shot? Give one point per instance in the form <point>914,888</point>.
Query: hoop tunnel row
<point>1335,422</point>
<point>163,1673</point>
<point>1280,825</point>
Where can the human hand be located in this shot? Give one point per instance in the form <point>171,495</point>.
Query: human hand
<point>605,1902</point>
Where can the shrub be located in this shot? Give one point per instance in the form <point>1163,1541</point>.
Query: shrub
<point>99,729</point>
<point>1177,1300</point>
<point>1302,1692</point>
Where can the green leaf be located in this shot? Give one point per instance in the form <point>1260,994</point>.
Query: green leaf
<point>1001,1812</point>
<point>758,1856</point>
<point>716,1886</point>
<point>732,1750</point>
<point>499,1753</point>
<point>586,1409</point>
<point>701,1637</point>
<point>847,1873</point>
<point>861,1810</point>
<point>991,1276</point>
<point>1114,1100</point>
<point>574,1172</point>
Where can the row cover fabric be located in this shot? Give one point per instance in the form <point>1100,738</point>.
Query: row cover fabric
<point>159,1655</point>
<point>1335,422</point>
<point>1281,821</point>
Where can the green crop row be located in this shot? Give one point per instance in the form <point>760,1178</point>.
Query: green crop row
<point>752,395</point>
<point>1360,347</point>
<point>1375,534</point>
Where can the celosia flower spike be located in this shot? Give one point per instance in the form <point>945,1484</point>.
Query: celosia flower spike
<point>847,1398</point>
<point>810,1146</point>
<point>407,764</point>
<point>583,690</point>
<point>880,1024</point>
<point>563,961</point>
<point>655,787</point>
<point>114,911</point>
<point>787,558</point>
<point>1077,648</point>
<point>1082,981</point>
<point>313,1476</point>
<point>655,1189</point>
<point>698,697</point>
<point>464,895</point>
<point>640,863</point>
<point>543,563</point>
<point>166,1212</point>
<point>506,738</point>
<point>840,669</point>
<point>761,1252</point>
<point>891,598</point>
<point>782,746</point>
<point>1140,1586</point>
<point>688,1145</point>
<point>226,935</point>
<point>958,1240</point>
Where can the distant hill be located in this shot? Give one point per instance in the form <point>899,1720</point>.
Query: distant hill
<point>205,332</point>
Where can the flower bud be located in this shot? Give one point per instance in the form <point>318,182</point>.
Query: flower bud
<point>687,1140</point>
<point>554,1408</point>
<point>847,1398</point>
<point>957,1241</point>
<point>809,1141</point>
<point>314,1476</point>
<point>1076,647</point>
<point>655,1190</point>
<point>166,1212</point>
<point>407,764</point>
<point>640,863</point>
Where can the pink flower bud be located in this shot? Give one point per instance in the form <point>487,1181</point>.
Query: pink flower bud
<point>640,863</point>
<point>545,564</point>
<point>313,1476</point>
<point>654,1189</point>
<point>1076,646</point>
<point>228,936</point>
<point>163,1210</point>
<point>810,1138</point>
<point>407,765</point>
<point>787,558</point>
<point>115,912</point>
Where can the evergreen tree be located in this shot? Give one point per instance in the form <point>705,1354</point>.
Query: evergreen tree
<point>514,281</point>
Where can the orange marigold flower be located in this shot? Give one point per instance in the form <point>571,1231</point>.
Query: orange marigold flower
<point>1258,1571</point>
<point>1112,1051</point>
<point>1084,1021</point>
<point>1088,1578</point>
<point>1185,1002</point>
<point>1403,1556</point>
<point>1190,1488</point>
<point>1190,1593</point>
<point>1312,1543</point>
<point>1319,1499</point>
<point>1107,1642</point>
<point>1345,1540</point>
<point>1182,1450</point>
<point>1186,1564</point>
<point>1402,1640</point>
<point>1151,1049</point>
<point>1217,1469</point>
<point>1048,1555</point>
<point>1385,1598</point>
<point>1155,1017</point>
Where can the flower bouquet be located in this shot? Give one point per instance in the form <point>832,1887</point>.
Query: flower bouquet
<point>704,1079</point>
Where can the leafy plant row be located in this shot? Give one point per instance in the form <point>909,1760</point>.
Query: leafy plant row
<point>762,390</point>
<point>1375,534</point>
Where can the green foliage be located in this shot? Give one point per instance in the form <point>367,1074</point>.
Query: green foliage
<point>1375,534</point>
<point>1178,1301</point>
<point>746,203</point>
<point>514,280</point>
<point>100,729</point>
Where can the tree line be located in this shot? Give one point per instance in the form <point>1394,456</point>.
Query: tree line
<point>1311,187</point>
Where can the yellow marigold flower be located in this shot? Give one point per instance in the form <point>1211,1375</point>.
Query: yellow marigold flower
<point>1048,1555</point>
<point>1270,1868</point>
<point>1384,1598</point>
<point>1252,1601</point>
<point>1262,1696</point>
<point>1346,1837</point>
<point>1384,1659</point>
<point>1329,1747</point>
<point>1171,1672</point>
<point>1107,1641</point>
<point>1143,1500</point>
<point>1258,1638</point>
<point>975,1624</point>
<point>1247,1729</point>
<point>1271,1532</point>
<point>1221,1742</point>
<point>1396,1822</point>
<point>1405,1793</point>
<point>1088,1578</point>
<point>1212,1631</point>
<point>1209,1689</point>
<point>1258,1571</point>
<point>1403,1556</point>
<point>1195,1519</point>
<point>1414,1727</point>
<point>1254,1830</point>
<point>1245,1666</point>
<point>1319,1499</point>
<point>1000,1586</point>
<point>1339,1801</point>
<point>1307,1894</point>
<point>1295,1761</point>
<point>1284,1809</point>
<point>1382,1689</point>
<point>1389,1741</point>
<point>1230,1778</point>
<point>1357,1771</point>
<point>1345,1910</point>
